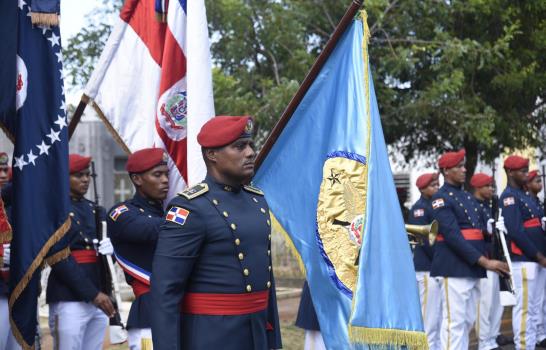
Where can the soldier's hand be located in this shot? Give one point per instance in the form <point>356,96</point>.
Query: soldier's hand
<point>494,265</point>
<point>103,302</point>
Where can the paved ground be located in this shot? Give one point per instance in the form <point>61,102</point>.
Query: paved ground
<point>288,301</point>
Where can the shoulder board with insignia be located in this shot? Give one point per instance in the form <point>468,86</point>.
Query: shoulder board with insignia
<point>253,190</point>
<point>195,191</point>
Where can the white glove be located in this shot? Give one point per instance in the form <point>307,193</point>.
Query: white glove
<point>7,251</point>
<point>106,247</point>
<point>543,222</point>
<point>500,225</point>
<point>490,226</point>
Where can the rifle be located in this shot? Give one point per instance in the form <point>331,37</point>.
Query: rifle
<point>500,249</point>
<point>543,176</point>
<point>109,283</point>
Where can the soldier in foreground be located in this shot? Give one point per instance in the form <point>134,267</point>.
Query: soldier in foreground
<point>134,226</point>
<point>212,279</point>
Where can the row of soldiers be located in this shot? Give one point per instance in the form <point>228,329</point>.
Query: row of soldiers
<point>200,269</point>
<point>458,276</point>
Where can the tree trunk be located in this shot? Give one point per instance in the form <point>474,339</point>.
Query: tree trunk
<point>471,160</point>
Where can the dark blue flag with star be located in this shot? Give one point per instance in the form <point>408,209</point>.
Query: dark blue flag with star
<point>40,169</point>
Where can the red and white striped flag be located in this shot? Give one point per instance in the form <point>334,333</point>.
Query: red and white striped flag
<point>153,84</point>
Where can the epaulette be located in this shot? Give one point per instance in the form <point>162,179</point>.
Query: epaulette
<point>253,189</point>
<point>195,191</point>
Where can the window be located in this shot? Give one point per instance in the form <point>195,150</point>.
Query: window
<point>123,187</point>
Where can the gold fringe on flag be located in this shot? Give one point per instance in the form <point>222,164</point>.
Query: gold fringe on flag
<point>22,284</point>
<point>60,255</point>
<point>379,338</point>
<point>44,19</point>
<point>276,225</point>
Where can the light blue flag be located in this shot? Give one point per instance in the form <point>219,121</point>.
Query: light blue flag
<point>329,185</point>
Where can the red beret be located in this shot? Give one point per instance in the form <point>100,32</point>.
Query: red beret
<point>531,175</point>
<point>223,130</point>
<point>515,162</point>
<point>425,180</point>
<point>4,158</point>
<point>480,179</point>
<point>451,159</point>
<point>145,159</point>
<point>77,163</point>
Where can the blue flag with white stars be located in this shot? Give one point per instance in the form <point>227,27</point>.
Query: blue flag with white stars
<point>40,168</point>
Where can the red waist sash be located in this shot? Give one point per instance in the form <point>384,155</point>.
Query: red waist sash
<point>84,256</point>
<point>139,288</point>
<point>534,222</point>
<point>469,234</point>
<point>224,304</point>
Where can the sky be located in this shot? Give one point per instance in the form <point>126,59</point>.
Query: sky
<point>73,19</point>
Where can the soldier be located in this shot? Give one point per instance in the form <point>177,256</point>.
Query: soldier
<point>534,186</point>
<point>490,309</point>
<point>308,321</point>
<point>459,252</point>
<point>212,278</point>
<point>429,288</point>
<point>78,310</point>
<point>134,226</point>
<point>522,218</point>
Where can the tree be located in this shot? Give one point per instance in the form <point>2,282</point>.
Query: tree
<point>448,73</point>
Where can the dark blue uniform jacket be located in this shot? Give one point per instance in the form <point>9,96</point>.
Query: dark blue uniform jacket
<point>518,207</point>
<point>487,213</point>
<point>307,317</point>
<point>421,214</point>
<point>68,280</point>
<point>222,246</point>
<point>134,236</point>
<point>456,209</point>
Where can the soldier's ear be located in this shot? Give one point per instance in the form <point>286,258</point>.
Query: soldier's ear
<point>211,155</point>
<point>136,179</point>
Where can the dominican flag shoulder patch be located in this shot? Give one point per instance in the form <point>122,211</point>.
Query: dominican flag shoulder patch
<point>438,203</point>
<point>114,214</point>
<point>508,201</point>
<point>418,213</point>
<point>177,215</point>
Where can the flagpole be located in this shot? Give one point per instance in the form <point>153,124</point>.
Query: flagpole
<point>306,84</point>
<point>77,116</point>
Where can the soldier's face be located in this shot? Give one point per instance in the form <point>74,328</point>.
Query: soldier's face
<point>535,185</point>
<point>79,183</point>
<point>519,176</point>
<point>236,160</point>
<point>431,189</point>
<point>4,174</point>
<point>154,183</point>
<point>457,174</point>
<point>486,192</point>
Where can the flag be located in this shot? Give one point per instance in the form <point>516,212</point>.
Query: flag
<point>153,85</point>
<point>329,185</point>
<point>40,169</point>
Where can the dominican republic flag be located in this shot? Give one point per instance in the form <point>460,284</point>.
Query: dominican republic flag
<point>153,85</point>
<point>41,203</point>
<point>177,215</point>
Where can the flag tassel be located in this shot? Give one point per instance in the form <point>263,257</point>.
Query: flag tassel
<point>380,338</point>
<point>44,19</point>
<point>56,237</point>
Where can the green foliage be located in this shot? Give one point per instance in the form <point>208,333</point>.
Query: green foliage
<point>448,73</point>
